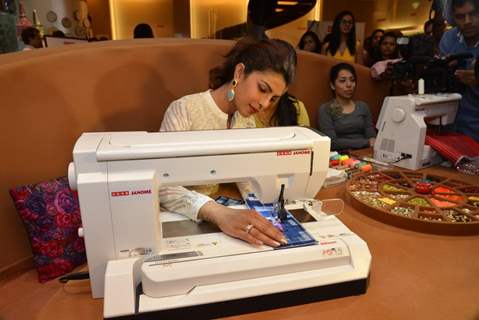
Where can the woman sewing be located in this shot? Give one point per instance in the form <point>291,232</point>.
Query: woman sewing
<point>253,77</point>
<point>347,122</point>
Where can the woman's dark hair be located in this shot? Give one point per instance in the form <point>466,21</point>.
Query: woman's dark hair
<point>368,46</point>
<point>460,3</point>
<point>265,55</point>
<point>336,34</point>
<point>286,113</point>
<point>377,54</point>
<point>428,23</point>
<point>333,73</point>
<point>28,34</point>
<point>376,31</point>
<point>315,38</point>
<point>450,6</point>
<point>58,34</point>
<point>142,30</point>
<point>335,108</point>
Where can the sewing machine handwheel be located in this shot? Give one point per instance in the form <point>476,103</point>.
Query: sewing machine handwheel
<point>398,115</point>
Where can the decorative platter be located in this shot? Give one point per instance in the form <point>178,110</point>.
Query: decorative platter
<point>417,201</point>
<point>67,22</point>
<point>51,16</point>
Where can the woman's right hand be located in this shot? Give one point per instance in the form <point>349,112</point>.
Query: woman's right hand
<point>244,224</point>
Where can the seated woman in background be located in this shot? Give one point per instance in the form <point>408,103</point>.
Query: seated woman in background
<point>253,77</point>
<point>289,111</point>
<point>387,48</point>
<point>143,31</point>
<point>342,44</point>
<point>348,123</point>
<point>310,42</point>
<point>384,56</point>
<point>370,45</point>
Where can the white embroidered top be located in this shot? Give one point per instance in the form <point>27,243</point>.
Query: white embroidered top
<point>194,112</point>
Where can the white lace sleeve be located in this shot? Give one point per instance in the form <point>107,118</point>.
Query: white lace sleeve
<point>179,199</point>
<point>245,188</point>
<point>176,117</point>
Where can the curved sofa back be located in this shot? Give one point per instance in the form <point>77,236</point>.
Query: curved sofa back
<point>50,96</point>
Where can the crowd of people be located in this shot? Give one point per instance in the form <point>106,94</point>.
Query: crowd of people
<point>250,89</point>
<point>381,52</point>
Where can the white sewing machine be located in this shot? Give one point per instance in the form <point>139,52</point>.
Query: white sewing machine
<point>402,126</point>
<point>129,243</point>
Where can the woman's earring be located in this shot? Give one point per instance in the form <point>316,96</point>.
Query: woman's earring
<point>230,95</point>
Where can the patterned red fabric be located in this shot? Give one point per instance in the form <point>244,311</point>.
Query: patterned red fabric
<point>51,215</point>
<point>453,146</point>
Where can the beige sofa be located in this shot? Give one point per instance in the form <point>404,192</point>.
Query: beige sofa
<point>50,96</point>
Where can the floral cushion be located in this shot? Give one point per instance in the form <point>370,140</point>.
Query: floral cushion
<point>51,216</point>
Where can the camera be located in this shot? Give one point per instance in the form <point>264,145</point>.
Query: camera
<point>437,72</point>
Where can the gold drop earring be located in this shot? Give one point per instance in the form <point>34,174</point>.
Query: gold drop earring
<point>230,95</point>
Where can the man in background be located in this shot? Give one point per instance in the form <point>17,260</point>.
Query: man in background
<point>464,38</point>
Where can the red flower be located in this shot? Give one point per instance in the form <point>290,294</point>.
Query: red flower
<point>63,264</point>
<point>79,245</point>
<point>64,220</point>
<point>28,215</point>
<point>20,193</point>
<point>65,202</point>
<point>51,249</point>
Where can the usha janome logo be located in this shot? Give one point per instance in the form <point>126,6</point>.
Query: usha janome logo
<point>293,152</point>
<point>130,193</point>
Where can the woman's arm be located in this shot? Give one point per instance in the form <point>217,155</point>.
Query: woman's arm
<point>235,222</point>
<point>197,206</point>
<point>179,199</point>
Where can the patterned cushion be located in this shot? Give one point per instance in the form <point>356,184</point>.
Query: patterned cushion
<point>51,216</point>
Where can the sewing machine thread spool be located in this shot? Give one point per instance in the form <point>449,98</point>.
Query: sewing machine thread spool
<point>420,86</point>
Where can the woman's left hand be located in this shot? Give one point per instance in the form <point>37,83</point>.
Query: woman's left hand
<point>244,224</point>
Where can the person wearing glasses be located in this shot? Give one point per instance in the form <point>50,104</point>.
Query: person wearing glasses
<point>464,37</point>
<point>342,44</point>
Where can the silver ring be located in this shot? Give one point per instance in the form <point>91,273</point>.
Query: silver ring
<point>248,228</point>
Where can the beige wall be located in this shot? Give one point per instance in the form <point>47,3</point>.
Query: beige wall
<point>181,17</point>
<point>126,14</point>
<point>209,16</point>
<point>384,14</point>
<point>293,31</point>
<point>100,13</point>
